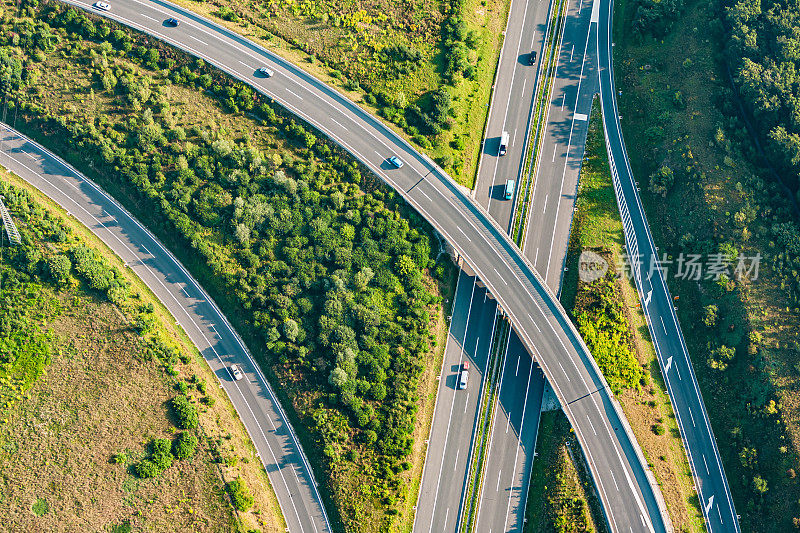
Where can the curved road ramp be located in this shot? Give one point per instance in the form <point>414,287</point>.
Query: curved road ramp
<point>193,309</point>
<point>630,497</point>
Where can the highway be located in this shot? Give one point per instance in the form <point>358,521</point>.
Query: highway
<point>631,501</point>
<point>511,107</point>
<point>193,309</point>
<point>511,451</point>
<point>673,356</point>
<point>444,479</point>
<point>512,443</point>
<point>555,187</point>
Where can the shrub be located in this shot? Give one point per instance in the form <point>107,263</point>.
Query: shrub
<point>183,447</point>
<point>59,266</point>
<point>120,458</point>
<point>185,412</point>
<point>161,454</point>
<point>240,495</point>
<point>147,469</point>
<point>658,429</point>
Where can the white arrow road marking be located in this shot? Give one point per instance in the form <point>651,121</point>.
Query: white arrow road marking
<point>648,297</point>
<point>669,364</point>
<point>710,503</point>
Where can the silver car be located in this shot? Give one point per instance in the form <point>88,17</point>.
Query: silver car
<point>236,372</point>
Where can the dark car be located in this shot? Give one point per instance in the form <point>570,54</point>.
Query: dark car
<point>173,22</point>
<point>532,57</point>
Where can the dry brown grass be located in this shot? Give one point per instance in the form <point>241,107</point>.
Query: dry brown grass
<point>99,397</point>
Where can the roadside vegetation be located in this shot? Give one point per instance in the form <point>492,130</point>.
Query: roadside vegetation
<point>334,282</point>
<point>560,486</point>
<point>86,436</point>
<point>708,189</point>
<point>425,66</point>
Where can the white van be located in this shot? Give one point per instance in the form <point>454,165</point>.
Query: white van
<point>503,143</point>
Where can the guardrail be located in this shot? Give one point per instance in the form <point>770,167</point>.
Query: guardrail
<point>11,228</point>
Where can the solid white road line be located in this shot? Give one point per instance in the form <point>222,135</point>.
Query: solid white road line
<point>508,421</point>
<point>450,418</point>
<point>508,100</point>
<point>519,445</point>
<point>179,305</point>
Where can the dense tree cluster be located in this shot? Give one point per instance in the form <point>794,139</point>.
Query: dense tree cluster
<point>320,265</point>
<point>763,50</point>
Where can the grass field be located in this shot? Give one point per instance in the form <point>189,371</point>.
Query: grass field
<point>679,112</point>
<point>345,44</point>
<point>85,387</point>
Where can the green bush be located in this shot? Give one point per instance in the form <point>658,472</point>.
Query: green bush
<point>161,453</point>
<point>185,412</point>
<point>147,469</point>
<point>240,495</point>
<point>59,266</point>
<point>184,445</point>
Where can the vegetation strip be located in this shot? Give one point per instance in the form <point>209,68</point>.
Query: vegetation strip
<point>424,66</point>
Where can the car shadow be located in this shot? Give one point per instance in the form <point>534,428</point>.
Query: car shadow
<point>491,146</point>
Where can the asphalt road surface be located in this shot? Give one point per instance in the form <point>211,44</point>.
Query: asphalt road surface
<point>511,107</point>
<point>630,500</point>
<point>254,400</point>
<point>511,452</point>
<point>444,479</point>
<point>687,401</point>
<point>512,443</point>
<point>556,185</point>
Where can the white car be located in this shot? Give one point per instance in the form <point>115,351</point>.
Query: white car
<point>264,71</point>
<point>236,372</point>
<point>104,6</point>
<point>463,376</point>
